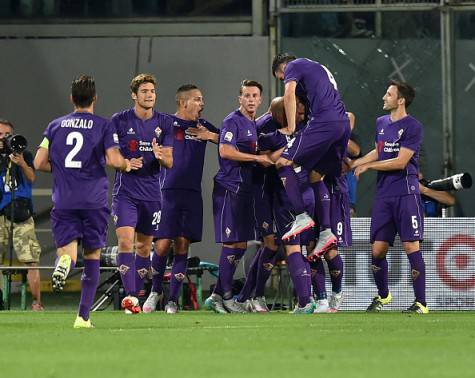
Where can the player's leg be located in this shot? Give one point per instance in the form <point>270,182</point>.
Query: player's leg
<point>251,277</point>
<point>335,268</point>
<point>318,284</point>
<point>180,259</point>
<point>300,275</point>
<point>265,265</point>
<point>411,229</point>
<point>142,259</point>
<point>89,282</point>
<point>159,264</point>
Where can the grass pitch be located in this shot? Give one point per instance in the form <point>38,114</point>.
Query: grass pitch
<point>203,344</point>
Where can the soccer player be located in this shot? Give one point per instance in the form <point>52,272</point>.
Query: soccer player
<point>146,136</point>
<point>76,148</point>
<point>182,205</point>
<point>397,207</point>
<point>320,147</point>
<point>233,192</point>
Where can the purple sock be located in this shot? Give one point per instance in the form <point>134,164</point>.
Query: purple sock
<point>89,282</point>
<point>266,263</point>
<point>299,274</point>
<point>180,263</point>
<point>418,272</point>
<point>126,266</point>
<point>322,204</point>
<point>318,279</point>
<point>335,267</point>
<point>249,285</point>
<point>142,267</point>
<point>159,264</point>
<point>292,188</point>
<point>380,273</point>
<point>228,262</point>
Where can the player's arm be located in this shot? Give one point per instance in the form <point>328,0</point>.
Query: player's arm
<point>275,155</point>
<point>164,155</point>
<point>115,160</point>
<point>396,164</point>
<point>41,161</point>
<point>368,158</point>
<point>230,152</point>
<point>443,197</point>
<point>290,106</point>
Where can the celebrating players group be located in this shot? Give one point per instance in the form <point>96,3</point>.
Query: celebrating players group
<point>281,177</point>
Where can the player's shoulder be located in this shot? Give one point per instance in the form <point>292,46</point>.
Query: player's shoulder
<point>164,117</point>
<point>233,118</point>
<point>382,119</point>
<point>123,115</point>
<point>413,122</point>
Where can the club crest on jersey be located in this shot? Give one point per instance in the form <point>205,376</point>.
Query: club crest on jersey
<point>142,272</point>
<point>131,131</point>
<point>228,137</point>
<point>123,269</point>
<point>158,131</point>
<point>227,231</point>
<point>179,277</point>
<point>399,133</point>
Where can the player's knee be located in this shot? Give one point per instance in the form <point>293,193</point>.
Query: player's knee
<point>331,254</point>
<point>143,249</point>
<point>126,244</point>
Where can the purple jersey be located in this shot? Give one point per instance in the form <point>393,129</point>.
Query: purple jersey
<point>77,147</point>
<point>135,138</point>
<point>390,137</point>
<point>316,82</point>
<point>240,132</point>
<point>188,157</point>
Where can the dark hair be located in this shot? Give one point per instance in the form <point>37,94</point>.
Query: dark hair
<point>250,83</point>
<point>281,59</point>
<point>138,80</point>
<point>83,91</point>
<point>183,89</point>
<point>404,90</point>
<point>4,121</point>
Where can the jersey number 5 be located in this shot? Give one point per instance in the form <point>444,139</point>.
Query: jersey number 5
<point>76,140</point>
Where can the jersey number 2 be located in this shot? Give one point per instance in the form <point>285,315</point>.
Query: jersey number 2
<point>76,140</point>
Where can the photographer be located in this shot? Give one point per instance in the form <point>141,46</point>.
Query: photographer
<point>18,167</point>
<point>434,200</point>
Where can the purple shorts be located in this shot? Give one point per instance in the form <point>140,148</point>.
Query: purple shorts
<point>89,226</point>
<point>401,215</point>
<point>263,211</point>
<point>143,216</point>
<point>320,146</point>
<point>182,215</point>
<point>233,216</point>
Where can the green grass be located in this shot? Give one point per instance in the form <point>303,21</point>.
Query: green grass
<point>199,344</point>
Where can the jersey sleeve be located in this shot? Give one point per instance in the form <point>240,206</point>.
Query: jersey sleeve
<point>229,133</point>
<point>292,72</point>
<point>412,137</point>
<point>111,139</point>
<point>210,127</point>
<point>167,129</point>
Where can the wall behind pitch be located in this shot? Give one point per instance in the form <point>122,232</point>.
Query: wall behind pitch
<point>36,75</point>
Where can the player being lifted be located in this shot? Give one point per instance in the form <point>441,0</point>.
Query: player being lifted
<point>319,148</point>
<point>397,208</point>
<point>233,192</point>
<point>182,205</point>
<point>146,138</point>
<point>75,149</point>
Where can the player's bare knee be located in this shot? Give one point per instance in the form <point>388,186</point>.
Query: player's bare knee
<point>92,254</point>
<point>331,254</point>
<point>411,247</point>
<point>240,245</point>
<point>181,246</point>
<point>126,244</point>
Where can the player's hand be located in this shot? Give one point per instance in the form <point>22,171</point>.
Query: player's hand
<point>200,132</point>
<point>285,131</point>
<point>346,166</point>
<point>157,150</point>
<point>136,163</point>
<point>264,160</point>
<point>361,169</point>
<point>18,159</point>
<point>128,166</point>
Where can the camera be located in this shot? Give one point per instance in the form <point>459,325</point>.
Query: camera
<point>14,143</point>
<point>456,182</point>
